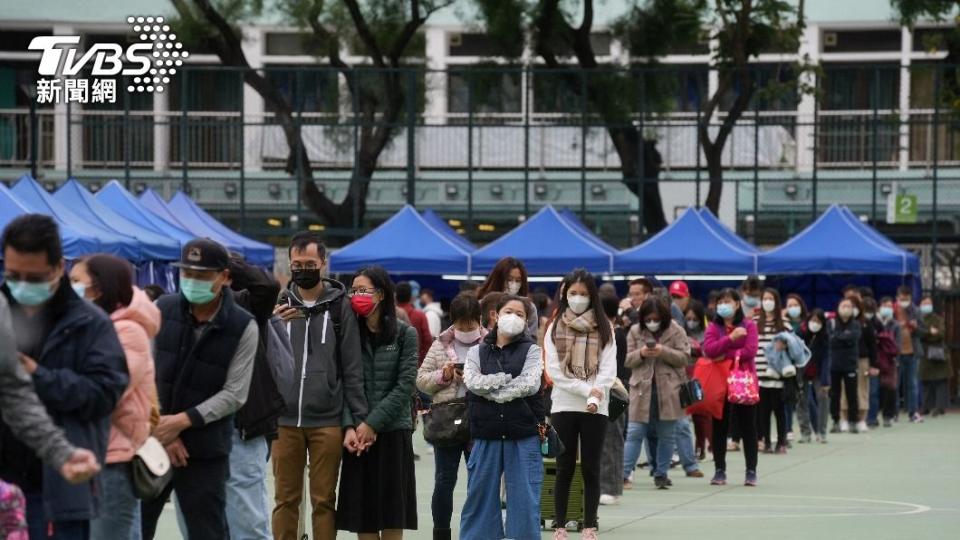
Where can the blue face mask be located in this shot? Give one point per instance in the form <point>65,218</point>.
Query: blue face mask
<point>80,289</point>
<point>197,291</point>
<point>926,309</point>
<point>793,312</point>
<point>886,312</point>
<point>30,294</point>
<point>725,310</point>
<point>751,301</point>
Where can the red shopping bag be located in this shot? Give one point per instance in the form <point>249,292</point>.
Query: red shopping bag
<point>713,379</point>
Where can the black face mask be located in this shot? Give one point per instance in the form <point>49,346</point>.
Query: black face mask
<point>306,279</point>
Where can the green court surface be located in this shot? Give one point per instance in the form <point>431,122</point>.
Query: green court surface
<point>899,483</point>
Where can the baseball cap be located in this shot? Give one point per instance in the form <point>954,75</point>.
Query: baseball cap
<point>679,288</point>
<point>203,254</point>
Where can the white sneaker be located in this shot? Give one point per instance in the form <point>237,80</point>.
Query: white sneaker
<point>844,426</point>
<point>862,427</point>
<point>609,500</point>
<point>430,450</point>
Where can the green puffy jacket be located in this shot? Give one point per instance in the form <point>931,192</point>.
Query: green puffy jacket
<point>389,380</point>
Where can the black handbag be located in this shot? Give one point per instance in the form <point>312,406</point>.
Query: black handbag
<point>550,444</point>
<point>619,401</point>
<point>936,353</point>
<point>151,470</point>
<point>690,390</point>
<point>446,424</point>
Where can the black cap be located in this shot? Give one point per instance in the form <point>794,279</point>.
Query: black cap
<point>203,254</point>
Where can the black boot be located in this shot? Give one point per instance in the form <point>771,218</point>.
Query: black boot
<point>441,534</point>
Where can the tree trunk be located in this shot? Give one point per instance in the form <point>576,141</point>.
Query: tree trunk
<point>626,141</point>
<point>714,155</point>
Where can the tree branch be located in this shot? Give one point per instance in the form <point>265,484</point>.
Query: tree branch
<point>363,30</point>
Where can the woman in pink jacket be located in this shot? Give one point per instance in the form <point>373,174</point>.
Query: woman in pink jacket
<point>728,338</point>
<point>106,281</point>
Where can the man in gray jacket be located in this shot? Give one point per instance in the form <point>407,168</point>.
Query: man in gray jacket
<point>24,413</point>
<point>326,350</point>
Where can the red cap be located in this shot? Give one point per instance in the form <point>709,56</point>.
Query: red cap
<point>679,288</point>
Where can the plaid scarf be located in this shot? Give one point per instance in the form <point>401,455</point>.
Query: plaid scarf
<point>577,339</point>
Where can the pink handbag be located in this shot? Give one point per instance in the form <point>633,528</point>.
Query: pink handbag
<point>742,385</point>
<point>13,520</point>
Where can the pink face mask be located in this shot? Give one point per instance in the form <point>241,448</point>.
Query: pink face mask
<point>467,337</point>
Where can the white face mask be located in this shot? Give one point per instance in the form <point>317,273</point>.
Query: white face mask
<point>769,305</point>
<point>577,303</point>
<point>693,325</point>
<point>653,326</point>
<point>904,304</point>
<point>510,324</point>
<point>815,327</point>
<point>856,312</point>
<point>513,287</point>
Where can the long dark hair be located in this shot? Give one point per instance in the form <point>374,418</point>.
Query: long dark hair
<point>699,312</point>
<point>776,315</point>
<point>580,275</point>
<point>388,305</point>
<point>497,280</point>
<point>803,305</point>
<point>730,294</point>
<point>112,277</point>
<point>659,306</point>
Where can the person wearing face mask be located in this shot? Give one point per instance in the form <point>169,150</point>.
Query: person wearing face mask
<point>106,281</point>
<point>204,356</point>
<point>441,377</point>
<point>817,375</point>
<point>866,365</point>
<point>935,367</point>
<point>911,349</point>
<point>503,376</point>
<point>378,493</point>
<point>795,311</point>
<point>871,320</point>
<point>751,291</point>
<point>770,322</point>
<point>844,332</point>
<point>732,337</point>
<point>581,358</point>
<point>658,352</point>
<point>509,276</point>
<point>325,339</point>
<point>418,320</point>
<point>696,318</point>
<point>888,350</point>
<point>70,351</point>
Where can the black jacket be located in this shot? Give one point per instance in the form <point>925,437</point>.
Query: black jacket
<point>82,374</point>
<point>517,419</point>
<point>844,345</point>
<point>868,342</point>
<point>257,293</point>
<point>190,371</point>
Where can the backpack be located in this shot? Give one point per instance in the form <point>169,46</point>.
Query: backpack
<point>280,355</point>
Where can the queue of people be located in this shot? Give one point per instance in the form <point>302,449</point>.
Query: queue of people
<point>331,379</point>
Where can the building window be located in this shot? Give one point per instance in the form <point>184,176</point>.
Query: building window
<point>861,40</point>
<point>490,89</point>
<point>306,88</point>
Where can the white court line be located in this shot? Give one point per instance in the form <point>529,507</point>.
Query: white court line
<point>907,508</point>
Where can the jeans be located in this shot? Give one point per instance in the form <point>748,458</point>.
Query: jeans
<point>38,526</point>
<point>803,407</point>
<point>119,509</point>
<point>247,504</point>
<point>874,411</point>
<point>201,493</point>
<point>588,431</point>
<point>520,464</point>
<point>636,433</point>
<point>447,462</point>
<point>683,432</point>
<point>909,391</point>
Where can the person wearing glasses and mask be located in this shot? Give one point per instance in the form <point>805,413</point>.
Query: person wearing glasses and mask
<point>326,349</point>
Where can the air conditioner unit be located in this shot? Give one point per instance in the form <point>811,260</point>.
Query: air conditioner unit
<point>829,39</point>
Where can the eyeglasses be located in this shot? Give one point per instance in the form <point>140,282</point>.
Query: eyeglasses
<point>362,292</point>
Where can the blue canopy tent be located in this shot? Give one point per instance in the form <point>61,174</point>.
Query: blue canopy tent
<point>34,197</point>
<point>124,203</point>
<point>690,245</point>
<point>549,245</point>
<point>405,244</point>
<point>440,225</point>
<point>572,219</point>
<point>74,244</point>
<point>725,231</point>
<point>153,246</point>
<point>254,252</point>
<point>837,249</point>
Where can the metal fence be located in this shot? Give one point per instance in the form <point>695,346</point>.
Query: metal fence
<point>495,143</point>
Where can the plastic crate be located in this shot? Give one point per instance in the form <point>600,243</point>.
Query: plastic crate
<point>575,506</point>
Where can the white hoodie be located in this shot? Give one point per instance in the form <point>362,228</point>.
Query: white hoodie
<point>434,314</point>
